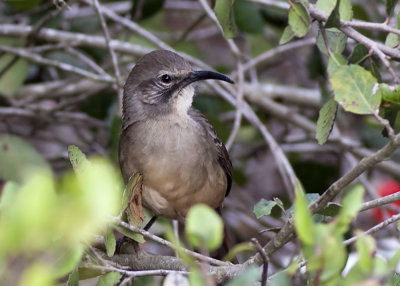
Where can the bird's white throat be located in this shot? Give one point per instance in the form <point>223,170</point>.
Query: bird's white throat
<point>183,101</point>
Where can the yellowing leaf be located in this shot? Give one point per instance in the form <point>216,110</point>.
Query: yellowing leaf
<point>354,90</point>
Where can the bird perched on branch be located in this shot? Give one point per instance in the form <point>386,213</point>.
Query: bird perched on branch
<point>168,141</point>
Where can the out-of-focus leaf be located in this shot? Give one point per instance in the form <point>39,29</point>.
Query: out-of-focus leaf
<point>250,276</point>
<point>23,4</point>
<point>303,219</point>
<point>8,193</point>
<point>299,20</point>
<point>247,17</point>
<point>195,278</point>
<point>359,54</point>
<point>109,279</point>
<point>18,158</point>
<point>37,275</point>
<point>224,12</point>
<point>353,87</point>
<point>395,280</point>
<point>335,61</point>
<point>263,208</point>
<point>287,36</point>
<point>325,122</point>
<point>393,40</point>
<point>15,75</point>
<point>68,261</point>
<point>334,18</point>
<point>135,236</point>
<point>336,41</point>
<point>390,5</point>
<point>329,251</point>
<point>145,9</point>
<point>366,251</point>
<point>238,248</point>
<point>201,234</point>
<point>280,278</point>
<point>110,242</point>
<point>332,209</point>
<point>351,204</point>
<point>374,69</point>
<point>78,160</point>
<point>73,278</point>
<point>390,93</point>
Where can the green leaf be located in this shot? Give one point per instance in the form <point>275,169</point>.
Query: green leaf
<point>195,277</point>
<point>110,242</point>
<point>73,278</point>
<point>224,12</point>
<point>109,279</point>
<point>201,234</point>
<point>8,193</point>
<point>15,75</point>
<point>302,218</point>
<point>335,61</point>
<point>359,54</point>
<point>249,277</point>
<point>336,41</point>
<point>345,9</point>
<point>395,280</point>
<point>393,40</point>
<point>247,17</point>
<point>366,249</point>
<point>334,18</point>
<point>326,119</point>
<point>280,278</point>
<point>390,93</point>
<point>332,209</point>
<point>353,89</point>
<point>287,36</point>
<point>68,261</point>
<point>263,208</point>
<point>351,205</point>
<point>390,5</point>
<point>37,274</point>
<point>299,20</point>
<point>78,160</point>
<point>239,248</point>
<point>133,235</point>
<point>18,158</point>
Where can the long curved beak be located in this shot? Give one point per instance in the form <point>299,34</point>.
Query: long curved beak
<point>202,75</point>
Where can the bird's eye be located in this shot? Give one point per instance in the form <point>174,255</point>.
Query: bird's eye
<point>166,78</point>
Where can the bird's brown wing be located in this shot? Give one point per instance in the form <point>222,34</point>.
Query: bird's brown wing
<point>222,153</point>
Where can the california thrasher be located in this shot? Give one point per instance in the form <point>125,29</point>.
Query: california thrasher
<point>171,143</point>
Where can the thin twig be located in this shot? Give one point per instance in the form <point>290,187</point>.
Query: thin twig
<point>169,244</point>
<point>119,85</point>
<point>23,53</point>
<point>374,229</point>
<point>264,257</point>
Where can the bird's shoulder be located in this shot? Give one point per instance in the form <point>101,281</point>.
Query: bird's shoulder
<point>222,153</point>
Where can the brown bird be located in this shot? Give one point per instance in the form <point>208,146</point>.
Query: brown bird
<point>168,141</point>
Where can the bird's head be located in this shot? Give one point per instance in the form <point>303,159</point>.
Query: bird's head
<point>161,82</point>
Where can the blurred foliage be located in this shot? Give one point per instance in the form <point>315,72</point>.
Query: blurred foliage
<point>46,222</point>
<point>47,219</point>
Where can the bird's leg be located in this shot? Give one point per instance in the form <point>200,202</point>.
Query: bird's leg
<point>150,223</point>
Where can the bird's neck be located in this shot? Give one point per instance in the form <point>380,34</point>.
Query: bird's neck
<point>183,101</point>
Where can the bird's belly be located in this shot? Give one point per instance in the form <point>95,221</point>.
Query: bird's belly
<point>170,189</point>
